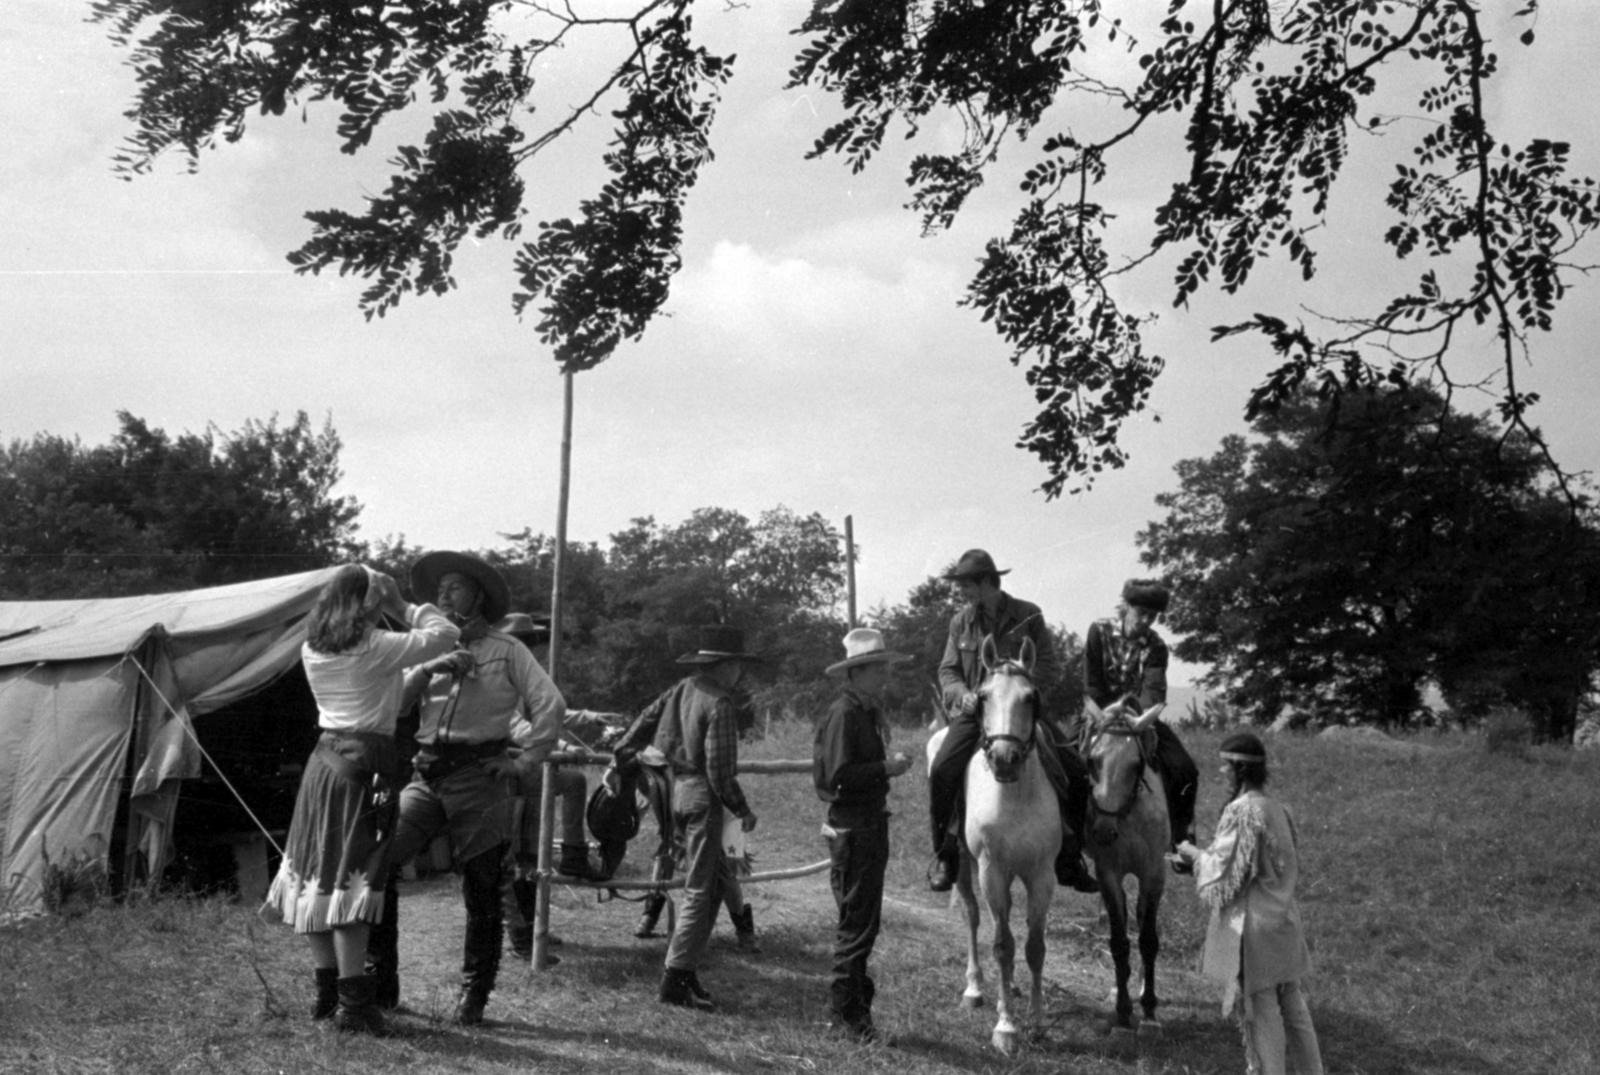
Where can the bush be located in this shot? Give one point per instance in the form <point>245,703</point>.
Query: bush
<point>1507,731</point>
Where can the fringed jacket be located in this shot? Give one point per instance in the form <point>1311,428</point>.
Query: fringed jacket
<point>1247,875</point>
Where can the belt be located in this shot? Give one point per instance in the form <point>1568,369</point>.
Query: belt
<point>436,760</point>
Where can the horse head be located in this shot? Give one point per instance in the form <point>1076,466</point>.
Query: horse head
<point>1010,704</point>
<point>1118,755</point>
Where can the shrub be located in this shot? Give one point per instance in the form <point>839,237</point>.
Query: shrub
<point>1507,731</point>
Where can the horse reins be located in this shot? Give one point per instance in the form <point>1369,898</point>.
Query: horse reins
<point>1123,728</point>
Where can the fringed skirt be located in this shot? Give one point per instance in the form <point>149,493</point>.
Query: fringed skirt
<point>336,856</point>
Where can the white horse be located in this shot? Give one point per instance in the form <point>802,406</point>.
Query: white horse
<point>1013,830</point>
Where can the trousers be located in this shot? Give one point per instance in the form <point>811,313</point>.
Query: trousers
<point>697,813</point>
<point>1063,767</point>
<point>1278,1035</point>
<point>860,855</point>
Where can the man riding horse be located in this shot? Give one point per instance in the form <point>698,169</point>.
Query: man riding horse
<point>991,612</point>
<point>1125,671</point>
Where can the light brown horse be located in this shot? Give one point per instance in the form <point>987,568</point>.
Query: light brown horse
<point>1013,831</point>
<point>1128,834</point>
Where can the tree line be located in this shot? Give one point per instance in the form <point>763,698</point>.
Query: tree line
<point>1346,554</point>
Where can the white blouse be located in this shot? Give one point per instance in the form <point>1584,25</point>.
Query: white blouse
<point>359,690</point>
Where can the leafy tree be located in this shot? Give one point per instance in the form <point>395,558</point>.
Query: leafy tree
<point>149,512</point>
<point>1269,100</point>
<point>1346,556</point>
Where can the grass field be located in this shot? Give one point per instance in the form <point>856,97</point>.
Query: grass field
<point>1449,893</point>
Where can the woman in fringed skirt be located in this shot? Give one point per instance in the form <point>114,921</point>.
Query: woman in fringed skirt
<point>329,886</point>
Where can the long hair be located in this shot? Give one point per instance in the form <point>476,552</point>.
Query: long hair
<point>337,623</point>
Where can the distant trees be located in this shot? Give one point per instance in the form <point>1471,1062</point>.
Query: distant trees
<point>1349,554</point>
<point>150,512</point>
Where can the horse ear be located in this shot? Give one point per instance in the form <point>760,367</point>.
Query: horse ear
<point>1148,717</point>
<point>989,653</point>
<point>1027,655</point>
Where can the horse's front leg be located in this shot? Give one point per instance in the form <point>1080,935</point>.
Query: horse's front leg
<point>1149,946</point>
<point>973,996</point>
<point>1116,902</point>
<point>1040,893</point>
<point>997,893</point>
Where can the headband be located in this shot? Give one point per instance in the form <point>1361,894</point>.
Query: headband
<point>1228,755</point>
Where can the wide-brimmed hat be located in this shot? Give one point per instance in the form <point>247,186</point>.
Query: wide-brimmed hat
<point>865,646</point>
<point>430,568</point>
<point>525,626</point>
<point>974,562</point>
<point>1149,594</point>
<point>718,643</point>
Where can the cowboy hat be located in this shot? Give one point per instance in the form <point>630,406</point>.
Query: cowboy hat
<point>718,643</point>
<point>1151,594</point>
<point>430,568</point>
<point>522,625</point>
<point>974,562</point>
<point>865,646</point>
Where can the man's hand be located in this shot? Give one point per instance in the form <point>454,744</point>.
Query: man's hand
<point>897,765</point>
<point>968,705</point>
<point>451,664</point>
<point>748,822</point>
<point>500,765</point>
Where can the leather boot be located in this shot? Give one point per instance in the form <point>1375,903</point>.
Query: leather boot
<point>946,866</point>
<point>521,941</point>
<point>470,1005</point>
<point>1070,870</point>
<point>327,1001</point>
<point>678,988</point>
<point>654,904</point>
<point>744,930</point>
<point>357,1012</point>
<point>575,863</point>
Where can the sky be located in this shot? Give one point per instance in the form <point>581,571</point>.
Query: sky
<point>813,354</point>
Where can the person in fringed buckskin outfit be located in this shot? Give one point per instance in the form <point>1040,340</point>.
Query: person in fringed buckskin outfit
<point>697,733</point>
<point>1125,668</point>
<point>851,767</point>
<point>329,886</point>
<point>465,781</point>
<point>1255,944</point>
<point>991,611</point>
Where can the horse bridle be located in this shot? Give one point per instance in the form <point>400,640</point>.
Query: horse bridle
<point>1026,746</point>
<point>1121,727</point>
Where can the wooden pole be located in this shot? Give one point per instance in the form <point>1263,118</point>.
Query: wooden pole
<point>559,566</point>
<point>850,567</point>
<point>546,868</point>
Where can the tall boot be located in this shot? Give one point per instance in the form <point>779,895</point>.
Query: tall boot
<point>946,865</point>
<point>357,1012</point>
<point>327,1001</point>
<point>678,988</point>
<point>650,914</point>
<point>383,952</point>
<point>470,1004</point>
<point>744,930</point>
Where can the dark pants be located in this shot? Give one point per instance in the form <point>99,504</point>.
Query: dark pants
<point>947,776</point>
<point>860,855</point>
<point>1181,779</point>
<point>481,880</point>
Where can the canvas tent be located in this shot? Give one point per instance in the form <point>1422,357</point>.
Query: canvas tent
<point>97,703</point>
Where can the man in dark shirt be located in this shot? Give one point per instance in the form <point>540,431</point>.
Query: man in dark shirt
<point>698,735</point>
<point>1125,667</point>
<point>991,612</point>
<point>851,768</point>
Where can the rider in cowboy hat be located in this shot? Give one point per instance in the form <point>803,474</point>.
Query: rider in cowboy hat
<point>992,612</point>
<point>851,768</point>
<point>463,775</point>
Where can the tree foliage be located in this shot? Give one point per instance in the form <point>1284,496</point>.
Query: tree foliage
<point>1346,557</point>
<point>150,512</point>
<point>1258,105</point>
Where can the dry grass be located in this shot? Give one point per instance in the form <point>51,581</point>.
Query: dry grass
<point>1449,894</point>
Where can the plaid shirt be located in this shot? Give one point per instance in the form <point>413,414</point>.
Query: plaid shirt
<point>1117,667</point>
<point>699,735</point>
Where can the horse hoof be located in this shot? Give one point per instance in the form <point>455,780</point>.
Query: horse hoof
<point>1005,1041</point>
<point>1149,1024</point>
<point>972,1000</point>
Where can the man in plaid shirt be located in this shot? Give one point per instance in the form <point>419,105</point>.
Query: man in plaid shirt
<point>698,735</point>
